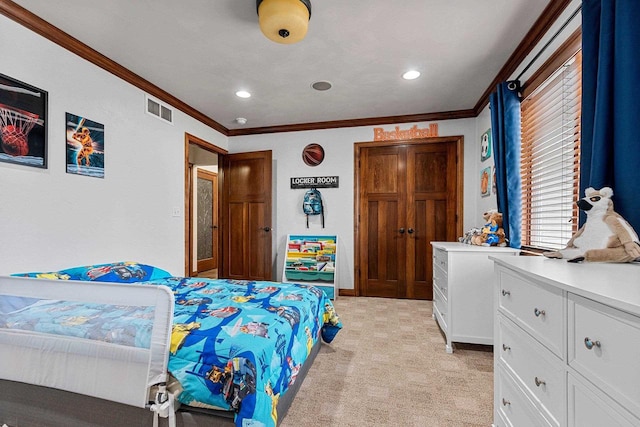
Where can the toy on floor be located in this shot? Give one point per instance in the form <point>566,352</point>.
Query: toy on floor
<point>605,235</point>
<point>491,234</point>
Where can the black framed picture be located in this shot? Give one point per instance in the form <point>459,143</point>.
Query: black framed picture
<point>23,123</point>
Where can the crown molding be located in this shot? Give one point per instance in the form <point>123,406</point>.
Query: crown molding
<point>372,121</point>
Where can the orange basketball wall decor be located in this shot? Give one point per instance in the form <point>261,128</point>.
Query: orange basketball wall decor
<point>313,154</point>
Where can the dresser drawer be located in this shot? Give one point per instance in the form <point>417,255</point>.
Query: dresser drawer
<point>440,258</point>
<point>537,369</point>
<point>441,281</point>
<point>537,308</point>
<point>604,346</point>
<point>512,405</point>
<point>589,407</point>
<point>440,308</point>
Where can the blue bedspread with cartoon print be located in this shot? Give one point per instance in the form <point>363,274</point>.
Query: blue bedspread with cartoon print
<point>235,345</point>
<point>239,345</point>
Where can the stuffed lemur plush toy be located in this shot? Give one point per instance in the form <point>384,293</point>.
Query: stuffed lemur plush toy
<point>605,235</point>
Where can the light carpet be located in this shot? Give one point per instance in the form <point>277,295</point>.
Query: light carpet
<point>388,367</point>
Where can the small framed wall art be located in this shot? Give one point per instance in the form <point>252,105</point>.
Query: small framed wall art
<point>85,146</point>
<point>485,145</point>
<point>485,182</point>
<point>23,123</point>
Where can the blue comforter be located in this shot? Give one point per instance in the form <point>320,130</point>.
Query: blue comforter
<point>239,345</point>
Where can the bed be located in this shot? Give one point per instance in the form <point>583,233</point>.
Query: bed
<point>236,349</point>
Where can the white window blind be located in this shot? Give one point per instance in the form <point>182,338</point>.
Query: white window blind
<point>550,158</point>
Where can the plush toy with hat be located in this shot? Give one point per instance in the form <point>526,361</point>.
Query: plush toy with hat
<point>605,235</point>
<point>492,233</point>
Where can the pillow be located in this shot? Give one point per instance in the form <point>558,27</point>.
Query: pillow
<point>120,272</point>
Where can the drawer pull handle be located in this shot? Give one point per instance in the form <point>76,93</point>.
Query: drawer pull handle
<point>590,344</point>
<point>505,293</point>
<point>505,402</point>
<point>505,347</point>
<point>538,313</point>
<point>539,382</point>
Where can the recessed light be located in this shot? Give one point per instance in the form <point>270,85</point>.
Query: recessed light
<point>410,75</point>
<point>321,85</point>
<point>243,94</point>
<point>241,120</point>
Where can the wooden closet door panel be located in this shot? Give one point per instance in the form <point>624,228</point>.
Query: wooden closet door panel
<point>236,264</point>
<point>431,180</point>
<point>383,197</point>
<point>384,247</point>
<point>259,241</point>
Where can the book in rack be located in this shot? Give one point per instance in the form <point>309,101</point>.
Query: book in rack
<point>311,259</point>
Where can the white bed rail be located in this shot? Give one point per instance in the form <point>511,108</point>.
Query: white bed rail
<point>95,368</point>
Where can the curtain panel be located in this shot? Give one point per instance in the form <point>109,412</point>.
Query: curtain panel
<point>610,150</point>
<point>505,128</point>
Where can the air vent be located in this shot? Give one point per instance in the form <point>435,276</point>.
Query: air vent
<point>159,110</point>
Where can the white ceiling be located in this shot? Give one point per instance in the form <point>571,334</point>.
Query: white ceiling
<point>203,51</point>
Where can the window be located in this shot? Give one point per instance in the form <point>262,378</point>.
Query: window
<point>550,156</point>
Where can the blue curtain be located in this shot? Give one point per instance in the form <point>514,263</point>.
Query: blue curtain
<point>610,150</point>
<point>505,128</point>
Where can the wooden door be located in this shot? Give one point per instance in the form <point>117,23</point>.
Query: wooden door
<point>246,213</point>
<point>382,219</point>
<point>207,220</point>
<point>409,195</point>
<point>431,210</point>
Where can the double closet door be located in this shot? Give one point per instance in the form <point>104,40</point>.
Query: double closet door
<point>409,194</point>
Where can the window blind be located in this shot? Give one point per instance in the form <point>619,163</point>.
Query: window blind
<point>550,158</point>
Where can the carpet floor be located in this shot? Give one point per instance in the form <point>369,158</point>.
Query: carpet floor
<point>388,367</point>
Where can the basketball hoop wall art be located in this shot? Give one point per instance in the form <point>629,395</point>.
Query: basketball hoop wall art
<point>23,123</point>
<point>85,146</point>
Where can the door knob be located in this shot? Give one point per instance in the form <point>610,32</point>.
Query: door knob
<point>213,227</point>
<point>267,229</point>
<point>401,231</point>
<point>411,231</point>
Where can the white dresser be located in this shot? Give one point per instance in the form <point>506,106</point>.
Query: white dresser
<point>462,291</point>
<point>567,347</point>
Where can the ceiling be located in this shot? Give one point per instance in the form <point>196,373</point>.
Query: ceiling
<point>202,51</point>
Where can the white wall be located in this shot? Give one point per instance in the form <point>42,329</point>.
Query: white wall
<point>50,219</point>
<point>338,202</point>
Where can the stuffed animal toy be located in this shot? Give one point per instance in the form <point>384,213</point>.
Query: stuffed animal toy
<point>605,235</point>
<point>492,233</point>
<point>469,235</point>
